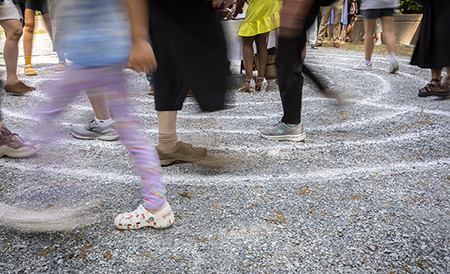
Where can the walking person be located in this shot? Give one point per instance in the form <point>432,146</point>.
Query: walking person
<point>189,44</point>
<point>11,18</point>
<point>371,10</point>
<point>31,6</point>
<point>433,49</point>
<point>296,16</point>
<point>97,69</point>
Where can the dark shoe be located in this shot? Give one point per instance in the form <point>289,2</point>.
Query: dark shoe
<point>318,44</point>
<point>336,45</point>
<point>314,47</point>
<point>182,153</point>
<point>18,89</point>
<point>434,88</point>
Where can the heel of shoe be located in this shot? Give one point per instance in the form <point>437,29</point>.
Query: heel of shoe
<point>251,86</point>
<point>263,85</point>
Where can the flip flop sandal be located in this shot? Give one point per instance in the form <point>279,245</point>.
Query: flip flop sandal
<point>29,71</point>
<point>427,90</point>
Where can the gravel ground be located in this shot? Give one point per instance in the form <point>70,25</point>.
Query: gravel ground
<point>367,192</point>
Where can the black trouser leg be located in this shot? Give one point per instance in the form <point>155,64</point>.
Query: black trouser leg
<point>289,74</point>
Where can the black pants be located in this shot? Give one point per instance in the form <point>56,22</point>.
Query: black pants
<point>289,74</point>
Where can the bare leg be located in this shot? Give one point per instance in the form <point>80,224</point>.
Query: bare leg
<point>330,31</point>
<point>261,45</point>
<point>369,28</point>
<point>99,103</point>
<point>48,24</point>
<point>28,33</point>
<point>247,44</point>
<point>13,30</point>
<point>389,39</point>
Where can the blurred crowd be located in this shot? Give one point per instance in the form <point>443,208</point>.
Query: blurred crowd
<point>181,47</point>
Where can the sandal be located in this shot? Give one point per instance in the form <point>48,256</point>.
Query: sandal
<point>434,88</point>
<point>263,85</point>
<point>61,66</point>
<point>140,218</point>
<point>248,86</point>
<point>29,71</point>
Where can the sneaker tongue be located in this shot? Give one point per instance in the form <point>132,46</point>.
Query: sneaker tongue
<point>5,131</point>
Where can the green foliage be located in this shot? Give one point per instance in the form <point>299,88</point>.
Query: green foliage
<point>409,7</point>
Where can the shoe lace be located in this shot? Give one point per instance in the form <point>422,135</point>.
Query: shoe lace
<point>14,138</point>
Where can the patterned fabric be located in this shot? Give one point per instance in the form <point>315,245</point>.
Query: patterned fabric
<point>110,79</point>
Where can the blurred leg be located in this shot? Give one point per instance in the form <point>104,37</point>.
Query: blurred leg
<point>369,28</point>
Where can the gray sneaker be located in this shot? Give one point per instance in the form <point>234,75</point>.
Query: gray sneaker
<point>283,132</point>
<point>95,131</point>
<point>363,66</point>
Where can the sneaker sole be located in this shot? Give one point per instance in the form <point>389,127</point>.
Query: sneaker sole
<point>20,153</point>
<point>103,138</point>
<point>293,138</point>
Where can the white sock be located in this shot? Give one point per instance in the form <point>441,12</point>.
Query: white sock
<point>103,123</point>
<point>291,125</point>
<point>367,62</point>
<point>392,57</point>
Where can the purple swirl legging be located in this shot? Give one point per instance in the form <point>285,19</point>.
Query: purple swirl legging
<point>110,79</point>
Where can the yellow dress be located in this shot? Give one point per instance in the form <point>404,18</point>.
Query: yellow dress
<point>262,16</point>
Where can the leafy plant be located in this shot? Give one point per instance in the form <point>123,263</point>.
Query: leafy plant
<point>409,7</point>
<point>405,7</point>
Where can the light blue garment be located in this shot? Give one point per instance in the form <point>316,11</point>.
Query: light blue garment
<point>379,4</point>
<point>96,33</point>
<point>344,16</point>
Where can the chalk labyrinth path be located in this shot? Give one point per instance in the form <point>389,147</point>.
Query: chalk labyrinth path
<point>348,139</point>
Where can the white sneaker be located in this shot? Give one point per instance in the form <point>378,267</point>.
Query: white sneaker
<point>378,43</point>
<point>363,66</point>
<point>394,66</point>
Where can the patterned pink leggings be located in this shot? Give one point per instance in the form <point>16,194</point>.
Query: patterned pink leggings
<point>110,79</point>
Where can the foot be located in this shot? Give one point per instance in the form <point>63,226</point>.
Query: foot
<point>261,84</point>
<point>394,66</point>
<point>141,217</point>
<point>336,45</point>
<point>318,44</point>
<point>18,88</point>
<point>249,86</point>
<point>314,47</point>
<point>95,131</point>
<point>363,66</point>
<point>151,91</point>
<point>181,153</point>
<point>283,132</point>
<point>434,88</point>
<point>378,43</point>
<point>61,66</point>
<point>329,42</point>
<point>11,145</point>
<point>29,71</point>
